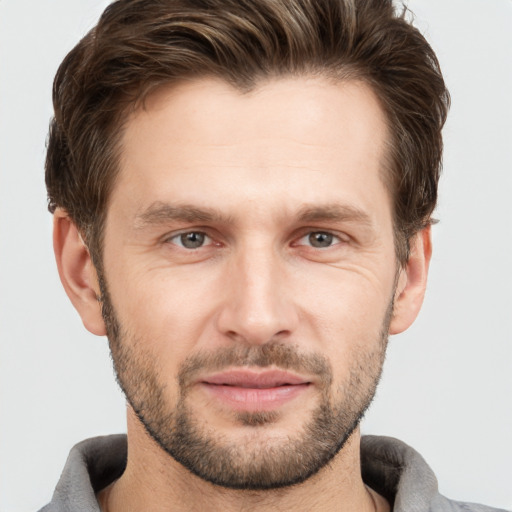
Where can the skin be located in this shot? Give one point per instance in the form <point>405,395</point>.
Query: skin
<point>293,157</point>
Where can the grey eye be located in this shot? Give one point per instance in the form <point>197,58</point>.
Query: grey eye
<point>320,239</point>
<point>191,240</point>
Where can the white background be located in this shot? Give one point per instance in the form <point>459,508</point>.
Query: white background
<point>447,386</point>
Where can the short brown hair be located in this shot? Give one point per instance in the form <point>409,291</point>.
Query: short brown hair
<point>139,45</point>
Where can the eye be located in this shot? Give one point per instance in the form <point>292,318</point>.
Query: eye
<point>191,240</point>
<point>319,239</point>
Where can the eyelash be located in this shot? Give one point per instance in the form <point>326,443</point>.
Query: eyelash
<point>335,239</point>
<point>179,237</point>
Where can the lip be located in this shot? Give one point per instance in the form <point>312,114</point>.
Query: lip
<point>255,379</point>
<point>246,390</point>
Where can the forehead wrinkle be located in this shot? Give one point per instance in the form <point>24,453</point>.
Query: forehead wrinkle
<point>160,212</point>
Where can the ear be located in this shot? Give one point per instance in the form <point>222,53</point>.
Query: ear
<point>77,272</point>
<point>412,282</point>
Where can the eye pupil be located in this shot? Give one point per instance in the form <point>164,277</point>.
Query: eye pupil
<point>192,240</point>
<point>320,239</point>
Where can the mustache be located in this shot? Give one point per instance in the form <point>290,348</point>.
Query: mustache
<point>271,354</point>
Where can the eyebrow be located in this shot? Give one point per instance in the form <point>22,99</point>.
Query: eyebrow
<point>161,213</point>
<point>334,213</point>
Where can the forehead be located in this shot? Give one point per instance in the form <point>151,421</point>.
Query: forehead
<point>287,106</point>
<point>206,137</point>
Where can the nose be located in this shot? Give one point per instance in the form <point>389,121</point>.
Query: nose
<point>257,306</point>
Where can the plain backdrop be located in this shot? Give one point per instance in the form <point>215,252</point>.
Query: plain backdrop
<point>447,385</point>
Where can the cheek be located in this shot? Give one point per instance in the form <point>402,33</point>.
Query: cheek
<point>345,319</point>
<point>346,304</point>
<point>169,310</point>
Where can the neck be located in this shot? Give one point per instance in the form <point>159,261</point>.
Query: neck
<point>155,481</point>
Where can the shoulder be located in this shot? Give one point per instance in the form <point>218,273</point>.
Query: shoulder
<point>403,477</point>
<point>445,504</point>
<point>91,465</point>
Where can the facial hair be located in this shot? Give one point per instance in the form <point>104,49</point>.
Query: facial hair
<point>260,463</point>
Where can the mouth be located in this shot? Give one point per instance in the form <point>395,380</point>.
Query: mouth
<point>246,390</point>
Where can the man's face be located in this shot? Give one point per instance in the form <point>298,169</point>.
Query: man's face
<point>249,273</point>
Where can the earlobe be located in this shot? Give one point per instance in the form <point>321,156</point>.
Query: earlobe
<point>77,272</point>
<point>412,283</point>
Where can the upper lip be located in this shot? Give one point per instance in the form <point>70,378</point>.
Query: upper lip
<point>245,378</point>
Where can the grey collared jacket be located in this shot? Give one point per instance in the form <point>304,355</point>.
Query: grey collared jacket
<point>390,467</point>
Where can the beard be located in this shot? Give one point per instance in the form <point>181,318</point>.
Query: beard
<point>260,462</point>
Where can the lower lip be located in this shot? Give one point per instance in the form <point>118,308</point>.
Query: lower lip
<point>255,399</point>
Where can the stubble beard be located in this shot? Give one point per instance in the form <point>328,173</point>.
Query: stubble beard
<point>260,462</point>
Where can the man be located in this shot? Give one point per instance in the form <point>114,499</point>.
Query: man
<point>242,197</point>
